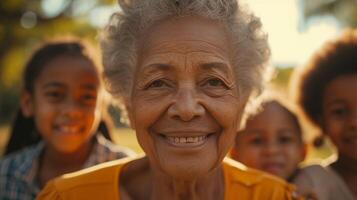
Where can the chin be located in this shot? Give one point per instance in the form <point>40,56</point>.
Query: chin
<point>187,169</point>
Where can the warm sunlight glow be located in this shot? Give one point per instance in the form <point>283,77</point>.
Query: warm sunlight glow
<point>291,44</point>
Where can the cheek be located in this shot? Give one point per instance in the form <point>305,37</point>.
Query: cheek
<point>144,114</point>
<point>250,156</point>
<point>228,115</point>
<point>43,118</point>
<point>294,152</point>
<point>333,129</point>
<point>247,153</point>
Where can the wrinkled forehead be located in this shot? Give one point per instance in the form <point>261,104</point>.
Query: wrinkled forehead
<point>185,35</point>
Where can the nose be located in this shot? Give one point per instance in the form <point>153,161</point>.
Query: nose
<point>186,105</point>
<point>271,148</point>
<point>71,108</point>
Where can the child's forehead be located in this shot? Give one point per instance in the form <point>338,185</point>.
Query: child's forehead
<point>273,115</point>
<point>341,87</point>
<point>271,111</point>
<point>70,64</point>
<point>69,71</point>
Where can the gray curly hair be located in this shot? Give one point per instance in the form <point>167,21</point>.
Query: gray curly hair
<point>119,40</point>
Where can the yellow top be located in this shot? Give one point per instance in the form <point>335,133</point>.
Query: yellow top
<point>101,182</point>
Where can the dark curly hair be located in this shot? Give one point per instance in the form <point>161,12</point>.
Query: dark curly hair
<point>335,59</point>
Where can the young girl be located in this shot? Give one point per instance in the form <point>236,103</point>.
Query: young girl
<point>271,140</point>
<point>326,90</point>
<point>60,118</point>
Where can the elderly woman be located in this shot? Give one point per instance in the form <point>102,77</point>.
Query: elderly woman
<point>184,71</point>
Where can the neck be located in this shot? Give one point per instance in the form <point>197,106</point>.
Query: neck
<point>54,163</point>
<point>59,163</point>
<point>211,186</point>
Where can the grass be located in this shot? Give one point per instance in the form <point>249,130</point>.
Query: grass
<point>126,137</point>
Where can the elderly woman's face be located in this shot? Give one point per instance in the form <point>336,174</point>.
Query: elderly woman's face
<point>185,105</point>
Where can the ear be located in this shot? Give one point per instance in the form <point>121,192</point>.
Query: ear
<point>26,104</point>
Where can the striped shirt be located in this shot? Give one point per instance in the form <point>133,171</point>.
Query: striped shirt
<point>18,171</point>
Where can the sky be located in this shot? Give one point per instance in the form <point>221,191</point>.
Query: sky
<point>291,40</point>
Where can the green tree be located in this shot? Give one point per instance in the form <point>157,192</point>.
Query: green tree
<point>345,11</point>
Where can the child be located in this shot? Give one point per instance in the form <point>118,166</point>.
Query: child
<point>271,140</point>
<point>60,118</point>
<point>326,90</point>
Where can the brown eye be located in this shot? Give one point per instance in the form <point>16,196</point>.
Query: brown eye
<point>339,112</point>
<point>157,84</point>
<point>285,140</point>
<point>89,98</point>
<point>54,96</point>
<point>215,82</point>
<point>257,141</point>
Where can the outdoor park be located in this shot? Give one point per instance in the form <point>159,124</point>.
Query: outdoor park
<point>295,28</point>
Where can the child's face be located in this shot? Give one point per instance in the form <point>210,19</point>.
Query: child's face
<point>65,103</point>
<point>270,142</point>
<point>339,120</point>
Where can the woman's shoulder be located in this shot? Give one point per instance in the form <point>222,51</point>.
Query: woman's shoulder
<point>241,180</point>
<point>90,182</point>
<point>111,150</point>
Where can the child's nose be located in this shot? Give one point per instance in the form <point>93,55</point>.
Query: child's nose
<point>271,148</point>
<point>71,108</point>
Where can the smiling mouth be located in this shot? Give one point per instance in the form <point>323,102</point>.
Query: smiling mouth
<point>68,129</point>
<point>186,141</point>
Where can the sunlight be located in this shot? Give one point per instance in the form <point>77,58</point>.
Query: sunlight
<point>291,47</point>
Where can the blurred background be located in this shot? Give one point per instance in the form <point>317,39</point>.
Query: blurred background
<point>296,29</point>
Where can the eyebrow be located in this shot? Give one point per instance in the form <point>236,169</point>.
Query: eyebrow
<point>89,86</point>
<point>220,66</point>
<point>216,66</point>
<point>335,101</point>
<point>61,85</point>
<point>149,69</point>
<point>53,84</point>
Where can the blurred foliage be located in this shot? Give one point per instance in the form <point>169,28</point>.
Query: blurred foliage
<point>282,77</point>
<point>25,24</point>
<point>345,11</point>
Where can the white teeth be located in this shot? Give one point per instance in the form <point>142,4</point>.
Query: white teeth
<point>69,129</point>
<point>184,140</point>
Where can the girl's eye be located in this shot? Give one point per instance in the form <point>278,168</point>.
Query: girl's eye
<point>339,112</point>
<point>285,139</point>
<point>54,95</point>
<point>89,98</point>
<point>257,141</point>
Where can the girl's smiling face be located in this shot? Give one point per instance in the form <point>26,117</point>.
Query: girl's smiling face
<point>339,118</point>
<point>185,105</point>
<point>65,103</point>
